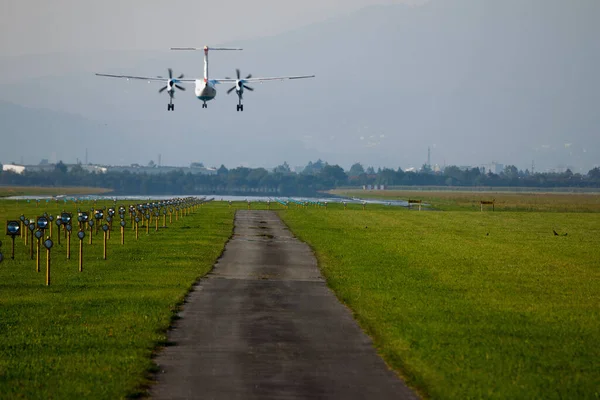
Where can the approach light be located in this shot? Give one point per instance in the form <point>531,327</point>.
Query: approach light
<point>13,228</point>
<point>66,217</point>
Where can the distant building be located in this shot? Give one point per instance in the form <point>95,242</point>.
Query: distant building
<point>138,169</point>
<point>495,168</point>
<point>374,187</point>
<point>96,169</point>
<point>17,169</point>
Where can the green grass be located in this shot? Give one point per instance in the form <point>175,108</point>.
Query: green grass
<point>505,201</point>
<point>469,304</point>
<point>7,191</point>
<point>93,334</point>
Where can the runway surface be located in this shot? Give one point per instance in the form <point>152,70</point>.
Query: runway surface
<point>264,325</point>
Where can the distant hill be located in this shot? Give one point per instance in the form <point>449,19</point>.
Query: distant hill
<point>477,80</point>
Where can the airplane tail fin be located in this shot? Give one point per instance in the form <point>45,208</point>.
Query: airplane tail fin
<point>206,49</point>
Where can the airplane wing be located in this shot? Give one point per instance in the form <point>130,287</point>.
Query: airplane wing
<point>273,78</point>
<point>146,78</point>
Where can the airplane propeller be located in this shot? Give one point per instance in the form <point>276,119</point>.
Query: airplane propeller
<point>240,84</point>
<point>171,84</point>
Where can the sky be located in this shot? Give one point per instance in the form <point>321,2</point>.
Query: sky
<point>474,81</point>
<point>43,26</point>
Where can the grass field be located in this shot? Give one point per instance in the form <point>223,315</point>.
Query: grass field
<point>7,191</point>
<point>462,304</point>
<point>469,304</point>
<point>505,201</point>
<point>92,334</point>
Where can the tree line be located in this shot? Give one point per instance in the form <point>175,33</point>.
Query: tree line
<point>281,181</point>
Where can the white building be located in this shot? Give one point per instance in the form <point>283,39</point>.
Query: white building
<point>17,169</point>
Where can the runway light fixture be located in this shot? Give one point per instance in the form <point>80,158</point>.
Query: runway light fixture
<point>91,224</point>
<point>122,231</point>
<point>48,245</point>
<point>38,235</point>
<point>31,229</point>
<point>81,236</point>
<point>137,222</point>
<point>13,229</point>
<point>68,229</point>
<point>51,219</point>
<point>42,222</point>
<point>105,229</point>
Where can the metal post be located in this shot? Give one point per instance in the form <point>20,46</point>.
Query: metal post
<point>47,267</point>
<point>37,257</point>
<point>80,255</point>
<point>105,238</point>
<point>68,244</point>
<point>31,247</point>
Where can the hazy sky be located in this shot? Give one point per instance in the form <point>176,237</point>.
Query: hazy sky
<point>513,81</point>
<point>40,26</point>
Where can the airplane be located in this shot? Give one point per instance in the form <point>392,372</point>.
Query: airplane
<point>205,89</point>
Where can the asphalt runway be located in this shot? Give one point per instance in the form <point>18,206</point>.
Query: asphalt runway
<point>264,325</point>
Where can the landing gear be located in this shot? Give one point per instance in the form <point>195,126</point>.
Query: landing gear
<point>170,107</point>
<point>204,105</point>
<point>240,107</point>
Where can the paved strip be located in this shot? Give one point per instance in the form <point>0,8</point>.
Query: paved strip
<point>264,325</point>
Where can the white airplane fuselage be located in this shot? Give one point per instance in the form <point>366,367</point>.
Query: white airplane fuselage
<point>205,91</point>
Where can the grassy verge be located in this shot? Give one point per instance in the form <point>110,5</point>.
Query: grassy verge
<point>469,305</point>
<point>92,334</point>
<point>7,191</point>
<point>469,201</point>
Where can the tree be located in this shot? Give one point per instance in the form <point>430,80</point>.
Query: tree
<point>61,167</point>
<point>152,164</point>
<point>222,170</point>
<point>511,172</point>
<point>333,175</point>
<point>283,168</point>
<point>370,171</point>
<point>387,177</point>
<point>314,168</point>
<point>594,174</point>
<point>356,170</point>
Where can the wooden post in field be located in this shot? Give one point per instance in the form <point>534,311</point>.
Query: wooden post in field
<point>485,202</point>
<point>414,202</point>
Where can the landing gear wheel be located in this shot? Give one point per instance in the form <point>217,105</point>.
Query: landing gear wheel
<point>170,107</point>
<point>241,107</point>
<point>204,105</point>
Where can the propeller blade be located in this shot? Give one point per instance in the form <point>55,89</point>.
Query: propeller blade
<point>162,89</point>
<point>231,90</point>
<point>170,73</point>
<point>179,87</point>
<point>248,87</point>
<point>249,76</point>
<point>237,71</point>
<point>180,76</point>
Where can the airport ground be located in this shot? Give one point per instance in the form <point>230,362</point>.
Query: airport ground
<point>460,304</point>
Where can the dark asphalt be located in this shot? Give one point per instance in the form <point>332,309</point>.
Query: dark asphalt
<point>264,325</point>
